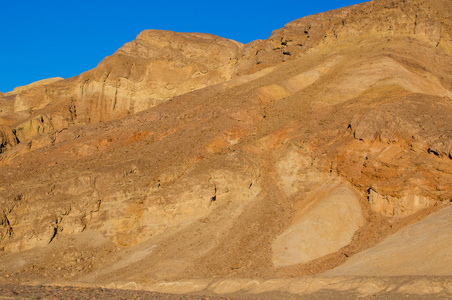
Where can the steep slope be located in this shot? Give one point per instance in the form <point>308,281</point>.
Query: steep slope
<point>292,166</point>
<point>426,21</point>
<point>399,253</point>
<point>153,68</point>
<point>159,65</point>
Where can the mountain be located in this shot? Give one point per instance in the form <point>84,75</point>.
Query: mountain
<point>186,155</point>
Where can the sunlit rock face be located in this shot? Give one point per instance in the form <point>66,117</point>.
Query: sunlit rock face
<point>155,67</point>
<point>190,156</point>
<point>325,225</point>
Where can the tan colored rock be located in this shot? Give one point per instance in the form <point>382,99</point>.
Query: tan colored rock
<point>229,286</point>
<point>293,167</point>
<point>427,21</point>
<point>419,249</point>
<point>180,287</point>
<point>7,138</point>
<point>39,83</point>
<point>325,224</point>
<point>154,68</point>
<point>32,127</point>
<point>397,207</point>
<point>157,66</point>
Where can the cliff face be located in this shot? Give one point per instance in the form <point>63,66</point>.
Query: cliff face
<point>188,155</point>
<point>155,67</point>
<point>427,21</point>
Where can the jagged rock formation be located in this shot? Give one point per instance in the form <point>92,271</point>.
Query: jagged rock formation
<point>155,67</point>
<point>190,156</point>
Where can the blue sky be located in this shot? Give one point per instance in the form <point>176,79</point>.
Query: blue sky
<point>47,38</point>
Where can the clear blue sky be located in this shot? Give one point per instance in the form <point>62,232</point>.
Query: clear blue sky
<point>47,38</point>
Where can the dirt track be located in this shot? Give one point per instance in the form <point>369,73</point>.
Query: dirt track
<point>12,291</point>
<point>67,292</point>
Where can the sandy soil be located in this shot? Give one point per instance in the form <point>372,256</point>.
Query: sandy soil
<point>399,287</point>
<point>68,292</point>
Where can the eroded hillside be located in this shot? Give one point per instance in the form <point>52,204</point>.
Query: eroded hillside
<point>191,156</point>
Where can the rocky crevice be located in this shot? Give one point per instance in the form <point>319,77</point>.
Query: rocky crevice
<point>8,138</point>
<point>8,231</point>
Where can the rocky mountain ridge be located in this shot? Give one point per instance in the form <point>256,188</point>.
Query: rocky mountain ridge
<point>159,65</point>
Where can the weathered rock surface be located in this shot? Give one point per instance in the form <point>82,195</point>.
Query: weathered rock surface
<point>153,68</point>
<point>326,222</point>
<point>7,138</point>
<point>192,156</point>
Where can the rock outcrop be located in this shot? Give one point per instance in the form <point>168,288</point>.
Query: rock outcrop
<point>7,138</point>
<point>153,68</point>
